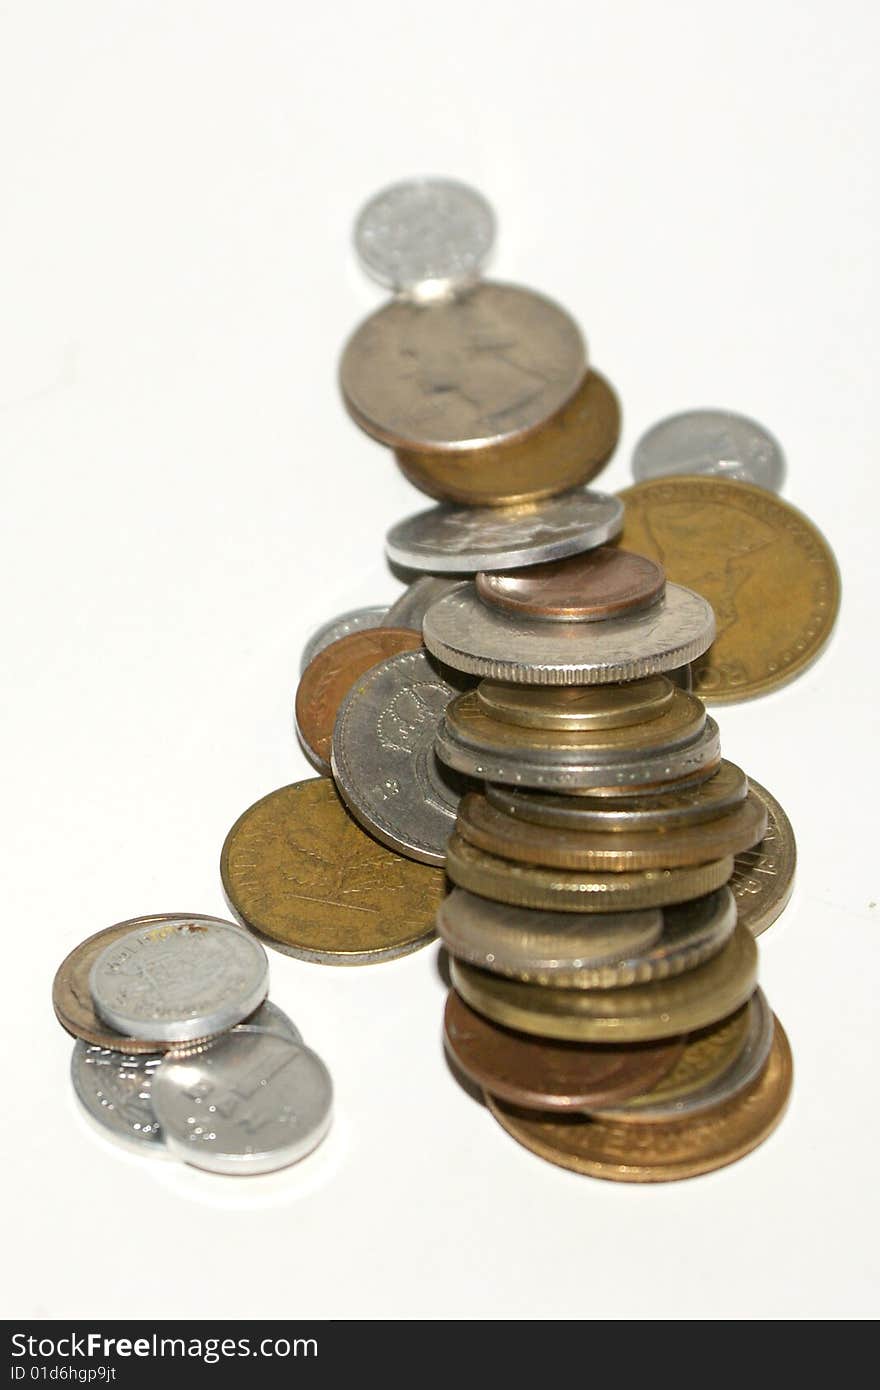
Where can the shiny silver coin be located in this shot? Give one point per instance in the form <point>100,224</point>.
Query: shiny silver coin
<point>271,1019</point>
<point>425,233</point>
<point>462,540</point>
<point>179,978</point>
<point>114,1089</point>
<point>466,755</point>
<point>716,443</point>
<point>468,635</point>
<point>740,1074</point>
<point>410,609</point>
<point>355,621</point>
<point>383,756</point>
<point>253,1102</point>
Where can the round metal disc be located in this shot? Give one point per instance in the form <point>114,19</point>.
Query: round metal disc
<point>114,1090</point>
<point>602,583</point>
<point>356,620</point>
<point>410,609</point>
<point>424,231</point>
<point>716,443</point>
<point>569,707</point>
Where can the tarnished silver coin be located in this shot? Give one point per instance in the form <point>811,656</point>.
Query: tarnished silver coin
<point>114,1089</point>
<point>484,367</point>
<point>410,609</point>
<point>252,1102</point>
<point>179,978</point>
<point>462,540</point>
<point>383,758</point>
<point>424,234</point>
<point>346,623</point>
<point>716,443</point>
<point>468,635</point>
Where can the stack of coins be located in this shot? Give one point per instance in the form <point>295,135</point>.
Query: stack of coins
<point>604,994</point>
<point>180,1052</point>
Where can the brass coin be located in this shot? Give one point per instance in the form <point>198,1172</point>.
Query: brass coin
<point>602,583</point>
<point>483,825</point>
<point>301,874</point>
<point>769,574</point>
<point>330,676</point>
<point>567,890</point>
<point>567,450</point>
<point>763,876</point>
<point>576,706</point>
<point>706,1055</point>
<point>635,1013</point>
<point>548,1075</point>
<point>724,790</point>
<point>663,1152</point>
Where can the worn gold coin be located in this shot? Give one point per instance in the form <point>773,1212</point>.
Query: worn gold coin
<point>483,825</point>
<point>661,1152</point>
<point>707,1054</point>
<point>569,449</point>
<point>300,872</point>
<point>763,876</point>
<point>636,1013</point>
<point>769,574</point>
<point>569,890</point>
<point>576,707</point>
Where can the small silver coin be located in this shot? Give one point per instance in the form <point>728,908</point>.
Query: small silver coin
<point>272,1020</point>
<point>462,540</point>
<point>383,756</point>
<point>423,232</point>
<point>410,609</point>
<point>740,1074</point>
<point>716,443</point>
<point>253,1102</point>
<point>355,621</point>
<point>114,1089</point>
<point>179,978</point>
<point>468,635</point>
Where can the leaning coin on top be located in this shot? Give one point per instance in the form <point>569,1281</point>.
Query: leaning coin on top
<point>713,443</point>
<point>425,236</point>
<point>178,978</point>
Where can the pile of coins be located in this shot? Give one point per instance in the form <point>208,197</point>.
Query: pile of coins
<point>179,1051</point>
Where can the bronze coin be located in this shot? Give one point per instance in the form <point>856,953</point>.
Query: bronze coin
<point>330,676</point>
<point>576,706</point>
<point>547,1075</point>
<point>601,583</point>
<point>564,452</point>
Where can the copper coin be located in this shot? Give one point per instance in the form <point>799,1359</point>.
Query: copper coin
<point>600,583</point>
<point>330,676</point>
<point>565,452</point>
<point>547,1075</point>
<point>576,706</point>
<point>659,1152</point>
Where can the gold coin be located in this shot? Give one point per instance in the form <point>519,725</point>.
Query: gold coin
<point>492,830</point>
<point>566,890</point>
<point>566,451</point>
<point>661,1152</point>
<point>576,706</point>
<point>763,876</point>
<point>769,574</point>
<point>636,1013</point>
<point>707,1054</point>
<point>302,875</point>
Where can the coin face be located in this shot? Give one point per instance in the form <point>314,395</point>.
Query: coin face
<point>461,540</point>
<point>410,609</point>
<point>251,1103</point>
<point>603,583</point>
<point>768,573</point>
<point>469,635</point>
<point>714,443</point>
<point>659,1153</point>
<point>425,232</point>
<point>114,1089</point>
<point>356,620</point>
<point>330,676</point>
<point>565,452</point>
<point>485,366</point>
<point>384,762</point>
<point>179,978</point>
<point>576,706</point>
<point>763,876</point>
<point>299,871</point>
<point>546,1075</point>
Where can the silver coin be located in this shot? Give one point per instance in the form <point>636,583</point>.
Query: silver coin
<point>485,367</point>
<point>469,635</point>
<point>410,609</point>
<point>179,978</point>
<point>253,1102</point>
<point>114,1090</point>
<point>383,756</point>
<point>425,231</point>
<point>716,443</point>
<point>740,1074</point>
<point>271,1019</point>
<point>462,540</point>
<point>355,621</point>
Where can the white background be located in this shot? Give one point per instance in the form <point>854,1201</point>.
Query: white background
<point>185,499</point>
